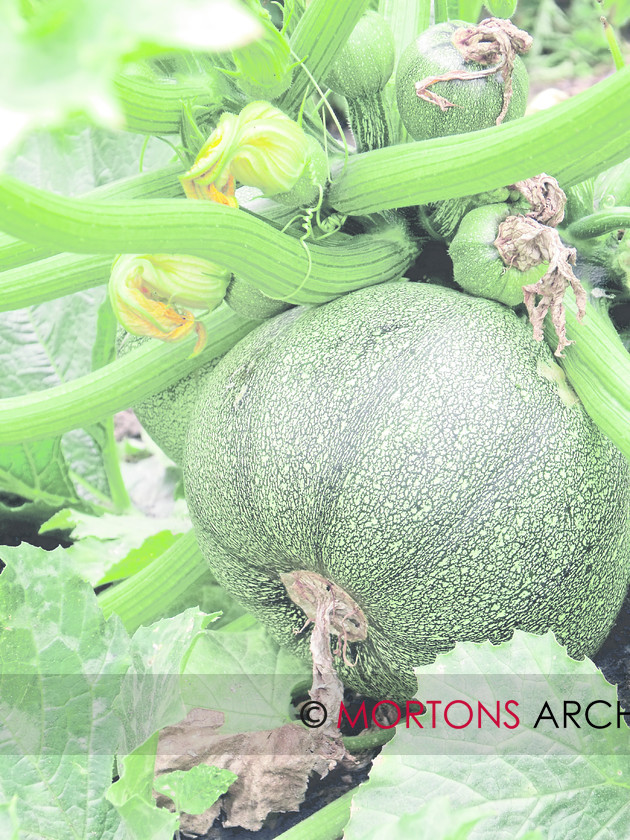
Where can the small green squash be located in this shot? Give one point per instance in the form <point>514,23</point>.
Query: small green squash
<point>366,62</point>
<point>408,444</point>
<point>360,72</point>
<point>476,102</point>
<point>477,264</point>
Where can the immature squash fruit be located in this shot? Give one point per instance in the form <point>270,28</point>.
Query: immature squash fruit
<point>430,107</point>
<point>410,445</point>
<point>360,72</point>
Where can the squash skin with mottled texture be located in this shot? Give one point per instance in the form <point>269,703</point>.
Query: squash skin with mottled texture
<point>166,414</point>
<point>402,442</point>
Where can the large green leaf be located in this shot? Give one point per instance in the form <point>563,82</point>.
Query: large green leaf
<point>246,676</point>
<point>81,158</point>
<point>61,670</point>
<point>197,789</point>
<point>437,820</point>
<point>9,822</point>
<point>75,690</point>
<point>567,782</point>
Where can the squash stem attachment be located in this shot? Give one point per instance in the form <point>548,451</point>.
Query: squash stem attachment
<point>370,122</point>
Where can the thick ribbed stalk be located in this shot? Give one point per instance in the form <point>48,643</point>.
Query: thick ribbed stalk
<point>598,224</point>
<point>154,106</point>
<point>278,264</point>
<point>573,140</point>
<point>326,824</point>
<point>369,121</point>
<point>146,596</point>
<point>598,368</point>
<point>51,278</point>
<point>322,31</point>
<point>116,386</point>
<point>162,182</point>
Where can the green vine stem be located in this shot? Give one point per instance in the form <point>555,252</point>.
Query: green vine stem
<point>53,277</point>
<point>406,18</point>
<point>111,464</point>
<point>146,596</point>
<point>597,367</point>
<point>162,182</point>
<point>327,823</point>
<point>280,265</point>
<point>573,140</point>
<point>321,32</point>
<point>368,740</point>
<point>155,106</point>
<point>124,382</point>
<point>598,224</point>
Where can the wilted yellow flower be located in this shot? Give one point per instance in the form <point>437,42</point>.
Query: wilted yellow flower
<point>210,177</point>
<point>261,147</point>
<point>272,152</point>
<point>148,291</point>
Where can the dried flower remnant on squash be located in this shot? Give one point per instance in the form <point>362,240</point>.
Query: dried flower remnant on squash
<point>331,611</point>
<point>495,42</point>
<point>545,197</point>
<point>523,243</point>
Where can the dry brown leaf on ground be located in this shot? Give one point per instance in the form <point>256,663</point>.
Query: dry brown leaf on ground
<point>273,767</point>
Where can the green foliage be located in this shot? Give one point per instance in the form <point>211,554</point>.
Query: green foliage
<point>197,789</point>
<point>569,40</point>
<point>86,682</point>
<point>109,547</point>
<point>526,781</point>
<point>245,675</point>
<point>501,8</point>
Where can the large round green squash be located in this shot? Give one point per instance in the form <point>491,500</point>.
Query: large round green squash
<point>411,445</point>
